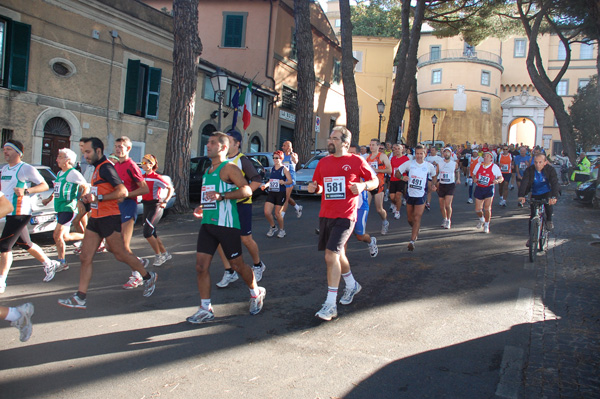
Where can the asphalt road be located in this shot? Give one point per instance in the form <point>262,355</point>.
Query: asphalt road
<point>449,320</point>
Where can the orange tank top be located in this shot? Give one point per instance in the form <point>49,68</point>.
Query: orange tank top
<point>102,187</point>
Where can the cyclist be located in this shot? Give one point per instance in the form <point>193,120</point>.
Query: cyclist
<point>541,179</point>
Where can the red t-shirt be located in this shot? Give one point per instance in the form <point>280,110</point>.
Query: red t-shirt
<point>335,175</point>
<point>130,173</point>
<point>396,162</point>
<point>156,183</point>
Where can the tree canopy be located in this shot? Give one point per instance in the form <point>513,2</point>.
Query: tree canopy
<point>584,114</point>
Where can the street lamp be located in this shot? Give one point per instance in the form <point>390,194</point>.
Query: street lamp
<point>433,121</point>
<point>380,109</point>
<point>219,84</point>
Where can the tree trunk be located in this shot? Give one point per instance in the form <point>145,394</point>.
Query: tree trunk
<point>187,47</point>
<point>412,136</point>
<point>350,96</point>
<point>406,65</point>
<point>303,136</point>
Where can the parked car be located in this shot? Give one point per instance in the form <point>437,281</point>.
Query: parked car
<point>199,166</point>
<point>588,191</point>
<point>43,218</point>
<point>265,159</point>
<point>304,175</point>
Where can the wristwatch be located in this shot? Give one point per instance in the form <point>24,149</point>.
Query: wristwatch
<point>100,198</point>
<point>26,192</point>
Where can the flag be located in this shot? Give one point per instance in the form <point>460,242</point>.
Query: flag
<point>235,102</point>
<point>247,114</point>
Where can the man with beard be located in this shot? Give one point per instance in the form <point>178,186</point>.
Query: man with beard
<point>448,177</point>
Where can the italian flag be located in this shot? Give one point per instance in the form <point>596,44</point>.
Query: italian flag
<point>247,110</point>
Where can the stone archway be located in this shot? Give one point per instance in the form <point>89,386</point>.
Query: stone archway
<point>523,106</point>
<point>40,124</point>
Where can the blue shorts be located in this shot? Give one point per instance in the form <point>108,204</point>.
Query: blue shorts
<point>128,209</point>
<point>293,174</point>
<point>361,221</point>
<point>245,216</point>
<point>65,218</point>
<point>482,193</point>
<point>416,200</point>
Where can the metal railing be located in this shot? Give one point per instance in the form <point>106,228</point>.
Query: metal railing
<point>446,55</point>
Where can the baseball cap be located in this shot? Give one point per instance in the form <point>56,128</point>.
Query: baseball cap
<point>447,149</point>
<point>236,135</point>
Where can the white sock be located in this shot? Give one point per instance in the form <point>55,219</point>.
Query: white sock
<point>297,207</point>
<point>282,213</point>
<point>13,314</point>
<point>331,295</point>
<point>482,219</point>
<point>349,280</point>
<point>136,274</point>
<point>47,263</point>
<point>487,224</point>
<point>205,304</point>
<point>254,292</point>
<point>3,280</point>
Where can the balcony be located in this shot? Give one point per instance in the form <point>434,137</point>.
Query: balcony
<point>477,56</point>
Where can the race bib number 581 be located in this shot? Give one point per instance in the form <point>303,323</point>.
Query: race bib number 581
<point>334,187</point>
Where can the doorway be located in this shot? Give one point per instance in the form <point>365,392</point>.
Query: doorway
<point>522,131</point>
<point>57,135</point>
<point>286,134</point>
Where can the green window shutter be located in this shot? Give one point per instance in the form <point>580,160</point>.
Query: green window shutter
<point>153,97</point>
<point>234,25</point>
<point>20,37</point>
<point>133,105</point>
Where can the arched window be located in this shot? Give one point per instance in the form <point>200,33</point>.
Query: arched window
<point>206,132</point>
<point>255,144</point>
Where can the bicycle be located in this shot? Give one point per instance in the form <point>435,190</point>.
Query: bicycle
<point>538,234</point>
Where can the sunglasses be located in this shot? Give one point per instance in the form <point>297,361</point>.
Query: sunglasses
<point>146,162</point>
<point>276,158</point>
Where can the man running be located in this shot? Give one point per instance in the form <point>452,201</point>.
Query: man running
<point>105,222</point>
<point>448,177</point>
<point>505,162</point>
<point>19,181</point>
<point>290,159</point>
<point>362,213</point>
<point>136,185</point>
<point>418,173</point>
<point>434,159</point>
<point>485,175</point>
<point>397,186</point>
<point>475,159</point>
<point>381,165</point>
<point>222,185</point>
<point>340,177</point>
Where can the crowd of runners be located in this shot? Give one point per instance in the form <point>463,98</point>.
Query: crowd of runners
<point>100,205</point>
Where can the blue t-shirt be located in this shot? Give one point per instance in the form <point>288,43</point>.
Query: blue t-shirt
<point>521,162</point>
<point>541,185</point>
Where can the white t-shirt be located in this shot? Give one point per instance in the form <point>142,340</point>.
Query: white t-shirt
<point>74,177</point>
<point>434,158</point>
<point>417,176</point>
<point>447,175</point>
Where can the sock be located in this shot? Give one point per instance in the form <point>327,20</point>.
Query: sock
<point>259,264</point>
<point>282,215</point>
<point>81,295</point>
<point>205,304</point>
<point>3,279</point>
<point>297,207</point>
<point>230,271</point>
<point>136,274</point>
<point>13,314</point>
<point>487,224</point>
<point>254,292</point>
<point>62,261</point>
<point>147,276</point>
<point>349,280</point>
<point>331,295</point>
<point>482,219</point>
<point>47,263</point>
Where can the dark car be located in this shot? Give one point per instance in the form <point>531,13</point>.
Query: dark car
<point>199,166</point>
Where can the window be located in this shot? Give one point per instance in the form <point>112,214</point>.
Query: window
<point>485,78</point>
<point>289,97</point>
<point>234,29</point>
<point>293,45</point>
<point>562,52</point>
<point>485,105</point>
<point>255,144</point>
<point>337,71</point>
<point>14,54</point>
<point>520,48</point>
<point>338,23</point>
<point>359,56</point>
<point>435,53</point>
<point>582,83</point>
<point>258,105</point>
<point>7,134</point>
<point>436,76</point>
<point>562,89</point>
<point>586,51</point>
<point>142,90</point>
<point>469,51</point>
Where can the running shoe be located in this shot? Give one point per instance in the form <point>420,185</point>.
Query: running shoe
<point>470,201</point>
<point>480,223</point>
<point>549,226</point>
<point>443,224</point>
<point>281,233</point>
<point>50,270</point>
<point>349,294</point>
<point>162,259</point>
<point>61,266</point>
<point>2,289</point>
<point>404,201</point>
<point>327,312</point>
<point>133,282</point>
<point>228,278</point>
<point>448,224</point>
<point>393,208</point>
<point>145,262</point>
<point>299,211</point>
<point>101,248</point>
<point>486,228</point>
<point>411,246</point>
<point>512,187</point>
<point>201,316</point>
<point>397,215</point>
<point>256,304</point>
<point>24,322</point>
<point>502,202</point>
<point>373,249</point>
<point>385,225</point>
<point>73,302</point>
<point>428,206</point>
<point>150,284</point>
<point>258,271</point>
<point>158,260</point>
<point>271,231</point>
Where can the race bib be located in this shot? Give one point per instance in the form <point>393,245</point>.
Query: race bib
<point>375,165</point>
<point>93,205</point>
<point>504,167</point>
<point>335,187</point>
<point>483,180</point>
<point>522,165</point>
<point>445,177</point>
<point>274,185</point>
<point>207,203</point>
<point>416,184</point>
<point>57,188</point>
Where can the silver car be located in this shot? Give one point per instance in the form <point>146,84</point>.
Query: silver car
<point>304,175</point>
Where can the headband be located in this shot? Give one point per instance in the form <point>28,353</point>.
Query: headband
<point>14,147</point>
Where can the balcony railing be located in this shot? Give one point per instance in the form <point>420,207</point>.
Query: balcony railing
<point>463,55</point>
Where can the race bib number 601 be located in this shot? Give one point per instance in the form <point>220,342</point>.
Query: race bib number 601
<point>335,187</point>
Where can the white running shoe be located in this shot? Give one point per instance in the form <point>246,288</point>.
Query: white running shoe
<point>50,270</point>
<point>373,249</point>
<point>61,267</point>
<point>227,279</point>
<point>201,316</point>
<point>448,224</point>
<point>385,225</point>
<point>397,215</point>
<point>403,201</point>
<point>281,233</point>
<point>480,223</point>
<point>24,322</point>
<point>158,260</point>
<point>258,271</point>
<point>393,208</point>
<point>470,201</point>
<point>349,294</point>
<point>299,211</point>
<point>133,282</point>
<point>256,304</point>
<point>150,284</point>
<point>327,312</point>
<point>443,224</point>
<point>271,231</point>
<point>486,228</point>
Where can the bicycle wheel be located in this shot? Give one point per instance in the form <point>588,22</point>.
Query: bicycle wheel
<point>534,236</point>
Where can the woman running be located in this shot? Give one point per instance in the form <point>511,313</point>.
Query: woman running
<point>280,177</point>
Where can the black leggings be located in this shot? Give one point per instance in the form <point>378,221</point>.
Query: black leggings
<point>152,214</point>
<point>15,232</point>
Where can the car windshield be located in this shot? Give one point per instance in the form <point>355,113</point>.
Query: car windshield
<point>312,164</point>
<point>48,176</point>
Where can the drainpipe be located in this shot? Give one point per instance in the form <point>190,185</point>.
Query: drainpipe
<point>268,56</point>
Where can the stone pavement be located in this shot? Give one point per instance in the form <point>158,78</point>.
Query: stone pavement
<point>564,352</point>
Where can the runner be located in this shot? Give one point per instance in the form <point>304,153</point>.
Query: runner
<point>362,213</point>
<point>338,178</point>
<point>280,177</point>
<point>68,187</point>
<point>434,159</point>
<point>505,162</point>
<point>105,222</point>
<point>475,159</point>
<point>135,184</point>
<point>397,186</point>
<point>381,164</point>
<point>19,181</point>
<point>222,184</point>
<point>154,206</point>
<point>81,217</point>
<point>244,207</point>
<point>485,175</point>
<point>522,162</point>
<point>419,172</point>
<point>290,159</point>
<point>448,177</point>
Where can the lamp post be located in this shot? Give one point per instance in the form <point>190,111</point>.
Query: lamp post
<point>380,109</point>
<point>434,120</point>
<point>219,83</point>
